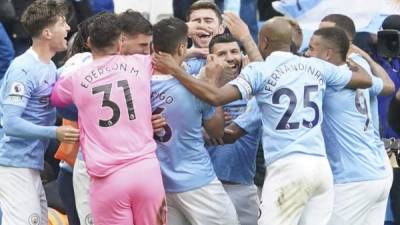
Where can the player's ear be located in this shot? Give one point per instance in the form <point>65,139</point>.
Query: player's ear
<point>181,50</point>
<point>329,54</point>
<point>89,43</point>
<point>221,28</point>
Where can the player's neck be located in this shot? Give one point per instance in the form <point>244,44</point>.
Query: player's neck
<point>337,61</point>
<point>178,60</point>
<point>43,50</point>
<point>98,54</point>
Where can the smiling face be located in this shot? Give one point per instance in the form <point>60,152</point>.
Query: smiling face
<point>57,34</point>
<point>208,18</point>
<point>316,48</point>
<point>230,53</point>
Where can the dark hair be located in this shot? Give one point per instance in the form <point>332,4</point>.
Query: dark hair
<point>343,22</point>
<point>133,23</point>
<point>41,14</point>
<point>168,33</point>
<point>366,41</point>
<point>392,22</point>
<point>336,37</point>
<point>204,5</point>
<point>104,30</point>
<point>221,38</point>
<point>80,38</point>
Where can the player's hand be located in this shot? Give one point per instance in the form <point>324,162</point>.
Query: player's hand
<point>353,66</point>
<point>165,63</point>
<point>214,69</point>
<point>195,28</point>
<point>211,141</point>
<point>354,49</point>
<point>398,95</point>
<point>158,121</point>
<point>67,134</point>
<point>236,26</point>
<point>227,117</point>
<point>245,61</point>
<point>197,52</point>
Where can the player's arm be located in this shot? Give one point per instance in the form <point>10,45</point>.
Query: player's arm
<point>215,125</point>
<point>158,122</point>
<point>360,77</point>
<point>61,95</point>
<point>18,90</point>
<point>377,70</point>
<point>232,133</point>
<point>203,90</point>
<point>240,31</point>
<point>15,125</point>
<point>247,122</point>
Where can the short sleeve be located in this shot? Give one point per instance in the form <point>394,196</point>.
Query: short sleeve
<point>207,111</point>
<point>250,120</point>
<point>336,77</point>
<point>18,87</point>
<point>249,82</point>
<point>377,86</point>
<point>61,95</point>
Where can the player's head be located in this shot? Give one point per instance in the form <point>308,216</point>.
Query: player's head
<point>208,14</point>
<point>297,35</point>
<point>330,44</point>
<point>226,47</point>
<point>45,21</point>
<point>136,33</point>
<point>170,36</point>
<point>105,34</point>
<point>79,43</point>
<point>274,35</point>
<point>341,21</point>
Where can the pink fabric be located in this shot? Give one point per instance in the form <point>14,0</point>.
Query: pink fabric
<point>111,135</point>
<point>133,195</point>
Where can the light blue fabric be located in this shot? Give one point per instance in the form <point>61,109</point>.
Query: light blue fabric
<point>294,8</point>
<point>289,90</point>
<point>27,85</point>
<point>194,65</point>
<point>349,136</point>
<point>185,162</point>
<point>237,162</point>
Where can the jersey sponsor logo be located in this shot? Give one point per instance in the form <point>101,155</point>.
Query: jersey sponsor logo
<point>34,219</point>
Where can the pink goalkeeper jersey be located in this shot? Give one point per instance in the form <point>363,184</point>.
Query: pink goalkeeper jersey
<point>112,95</point>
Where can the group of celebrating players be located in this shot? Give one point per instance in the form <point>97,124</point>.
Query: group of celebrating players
<point>193,160</point>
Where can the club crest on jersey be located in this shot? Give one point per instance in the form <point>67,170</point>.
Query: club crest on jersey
<point>34,219</point>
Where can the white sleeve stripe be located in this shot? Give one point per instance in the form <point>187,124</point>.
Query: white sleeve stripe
<point>246,87</point>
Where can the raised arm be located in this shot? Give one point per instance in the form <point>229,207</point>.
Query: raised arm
<point>360,77</point>
<point>204,90</point>
<point>240,31</point>
<point>377,70</point>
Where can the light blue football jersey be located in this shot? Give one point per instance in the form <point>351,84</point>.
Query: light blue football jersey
<point>185,162</point>
<point>289,90</point>
<point>194,65</point>
<point>28,83</point>
<point>349,136</point>
<point>374,91</point>
<point>237,162</point>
